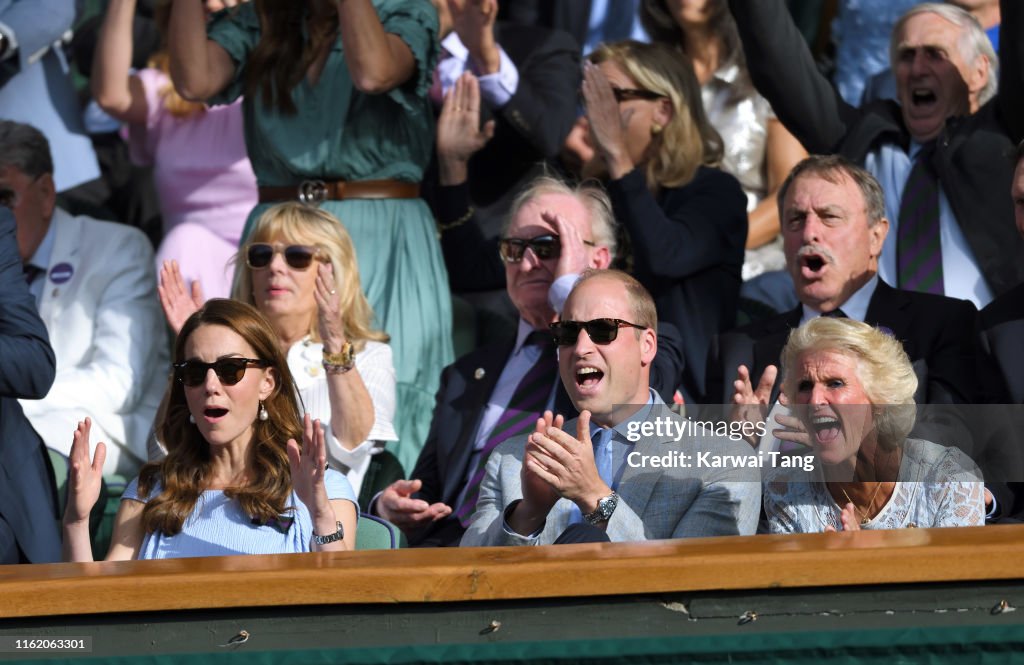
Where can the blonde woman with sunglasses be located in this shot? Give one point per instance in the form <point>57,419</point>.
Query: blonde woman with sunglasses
<point>298,269</point>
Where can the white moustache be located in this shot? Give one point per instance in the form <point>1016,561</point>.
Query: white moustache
<point>816,249</point>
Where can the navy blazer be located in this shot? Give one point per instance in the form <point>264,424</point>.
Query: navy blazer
<point>936,331</point>
<point>573,16</point>
<point>28,499</point>
<point>528,132</point>
<point>688,252</point>
<point>466,387</point>
<point>1002,348</point>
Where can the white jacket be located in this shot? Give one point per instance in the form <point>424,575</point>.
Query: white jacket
<point>100,308</point>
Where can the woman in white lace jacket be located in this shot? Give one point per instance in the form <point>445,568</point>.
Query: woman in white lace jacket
<point>851,387</point>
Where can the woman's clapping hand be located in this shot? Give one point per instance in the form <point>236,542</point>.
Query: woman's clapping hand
<point>178,302</point>
<point>308,466</point>
<point>85,476</point>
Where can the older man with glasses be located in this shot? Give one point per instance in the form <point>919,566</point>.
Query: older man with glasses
<point>497,392</point>
<point>626,469</point>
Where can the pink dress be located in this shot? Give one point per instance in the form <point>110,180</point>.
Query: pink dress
<point>204,180</point>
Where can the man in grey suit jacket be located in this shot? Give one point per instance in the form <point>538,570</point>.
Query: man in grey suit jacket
<point>538,486</point>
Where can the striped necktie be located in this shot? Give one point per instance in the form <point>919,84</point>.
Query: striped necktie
<point>918,246</point>
<point>520,417</point>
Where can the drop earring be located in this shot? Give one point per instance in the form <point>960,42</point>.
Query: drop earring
<point>192,419</point>
<point>263,416</point>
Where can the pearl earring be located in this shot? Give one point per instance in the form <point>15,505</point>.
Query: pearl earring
<point>192,419</point>
<point>264,416</point>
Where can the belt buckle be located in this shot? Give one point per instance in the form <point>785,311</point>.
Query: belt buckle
<point>312,192</point>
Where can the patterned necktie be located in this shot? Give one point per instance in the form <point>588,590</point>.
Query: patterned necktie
<point>919,250</point>
<point>520,417</point>
<point>602,440</point>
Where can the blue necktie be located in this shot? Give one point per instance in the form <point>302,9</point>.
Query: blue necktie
<point>602,440</point>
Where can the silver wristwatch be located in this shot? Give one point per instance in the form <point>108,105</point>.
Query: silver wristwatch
<point>605,508</point>
<point>330,538</point>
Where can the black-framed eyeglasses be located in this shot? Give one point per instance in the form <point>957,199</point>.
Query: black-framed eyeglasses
<point>260,254</point>
<point>600,331</point>
<point>626,94</point>
<point>229,370</point>
<point>547,246</point>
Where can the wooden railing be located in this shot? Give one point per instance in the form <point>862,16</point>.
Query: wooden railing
<point>426,576</point>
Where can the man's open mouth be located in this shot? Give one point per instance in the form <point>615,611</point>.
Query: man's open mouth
<point>587,377</point>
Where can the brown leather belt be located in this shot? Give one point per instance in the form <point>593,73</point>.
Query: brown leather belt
<point>318,191</point>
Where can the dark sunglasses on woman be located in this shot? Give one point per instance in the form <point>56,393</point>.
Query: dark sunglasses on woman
<point>600,331</point>
<point>229,370</point>
<point>260,254</point>
<point>544,247</point>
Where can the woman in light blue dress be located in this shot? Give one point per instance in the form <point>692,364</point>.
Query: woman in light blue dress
<point>235,480</point>
<point>336,95</point>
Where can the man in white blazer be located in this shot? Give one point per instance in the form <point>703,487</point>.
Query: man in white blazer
<point>95,286</point>
<point>627,466</point>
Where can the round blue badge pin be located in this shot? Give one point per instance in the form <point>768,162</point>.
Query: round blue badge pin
<point>61,273</point>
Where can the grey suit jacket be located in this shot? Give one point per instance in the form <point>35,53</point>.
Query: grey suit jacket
<point>654,503</point>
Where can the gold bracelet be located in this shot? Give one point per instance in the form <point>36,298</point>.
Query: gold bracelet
<point>331,368</point>
<point>458,222</point>
<point>343,358</point>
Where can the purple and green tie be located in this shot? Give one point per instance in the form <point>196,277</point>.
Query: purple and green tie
<point>918,246</point>
<point>526,405</point>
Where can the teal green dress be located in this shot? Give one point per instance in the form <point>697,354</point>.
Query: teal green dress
<point>340,133</point>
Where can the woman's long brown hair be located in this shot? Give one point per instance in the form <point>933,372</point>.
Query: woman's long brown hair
<point>185,472</point>
<point>283,55</point>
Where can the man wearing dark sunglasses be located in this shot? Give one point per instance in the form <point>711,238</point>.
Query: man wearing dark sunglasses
<point>555,232</point>
<point>539,488</point>
<point>95,287</point>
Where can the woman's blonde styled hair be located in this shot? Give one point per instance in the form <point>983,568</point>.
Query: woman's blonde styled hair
<point>883,368</point>
<point>688,140</point>
<point>297,223</point>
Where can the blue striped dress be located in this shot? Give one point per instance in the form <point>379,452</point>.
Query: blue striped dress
<point>218,526</point>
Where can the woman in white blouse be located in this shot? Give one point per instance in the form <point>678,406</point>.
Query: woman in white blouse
<point>299,269</point>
